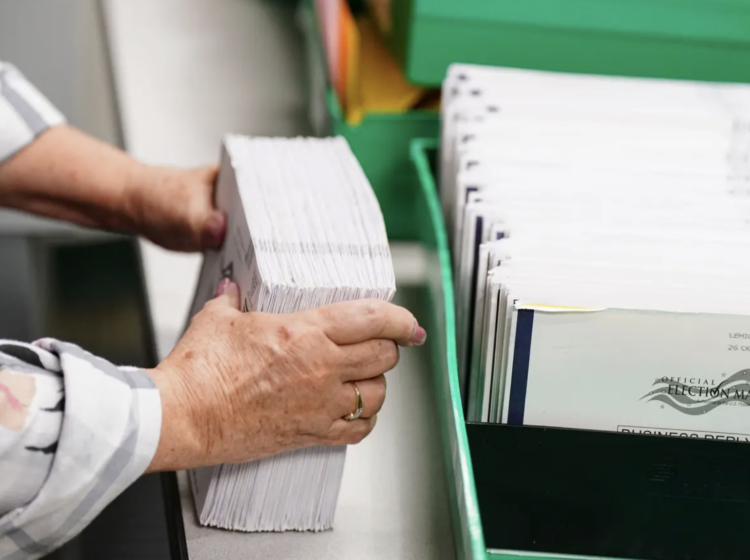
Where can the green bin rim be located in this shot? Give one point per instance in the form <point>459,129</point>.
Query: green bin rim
<point>418,149</point>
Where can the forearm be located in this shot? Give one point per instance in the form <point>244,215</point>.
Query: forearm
<point>68,175</point>
<point>51,169</point>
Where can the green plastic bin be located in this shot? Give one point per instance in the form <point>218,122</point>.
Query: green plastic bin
<point>537,462</point>
<point>440,324</point>
<point>680,39</point>
<point>380,141</point>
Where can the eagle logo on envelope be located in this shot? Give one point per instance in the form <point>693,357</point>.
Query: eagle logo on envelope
<point>695,396</point>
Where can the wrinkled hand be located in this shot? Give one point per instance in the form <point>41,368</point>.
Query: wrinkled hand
<point>174,207</point>
<point>241,386</point>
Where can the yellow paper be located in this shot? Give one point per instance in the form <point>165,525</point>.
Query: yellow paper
<point>351,64</point>
<point>382,86</point>
<point>345,26</point>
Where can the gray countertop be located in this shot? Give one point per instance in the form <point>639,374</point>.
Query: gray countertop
<point>187,72</point>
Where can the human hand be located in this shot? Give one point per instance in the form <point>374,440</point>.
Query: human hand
<point>241,386</point>
<point>174,207</point>
<point>66,174</point>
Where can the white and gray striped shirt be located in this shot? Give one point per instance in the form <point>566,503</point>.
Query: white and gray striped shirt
<point>24,112</point>
<point>75,430</point>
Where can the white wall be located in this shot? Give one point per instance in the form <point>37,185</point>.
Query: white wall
<point>58,44</point>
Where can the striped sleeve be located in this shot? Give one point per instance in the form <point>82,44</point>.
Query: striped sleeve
<point>24,112</point>
<point>75,432</point>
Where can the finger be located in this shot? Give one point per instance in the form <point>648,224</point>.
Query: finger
<point>344,432</point>
<point>372,392</point>
<point>368,359</point>
<point>358,321</point>
<point>227,296</point>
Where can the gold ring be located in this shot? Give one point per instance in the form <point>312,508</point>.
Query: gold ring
<point>358,412</point>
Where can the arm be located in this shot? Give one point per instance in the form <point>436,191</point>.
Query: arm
<point>75,431</point>
<point>67,175</point>
<point>52,169</point>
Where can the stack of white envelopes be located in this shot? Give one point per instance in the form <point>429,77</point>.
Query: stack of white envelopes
<point>305,230</point>
<point>600,230</point>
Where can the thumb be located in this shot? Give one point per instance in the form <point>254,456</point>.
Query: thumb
<point>227,294</point>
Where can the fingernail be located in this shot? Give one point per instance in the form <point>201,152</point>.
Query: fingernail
<point>216,228</point>
<point>221,289</point>
<point>420,335</point>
